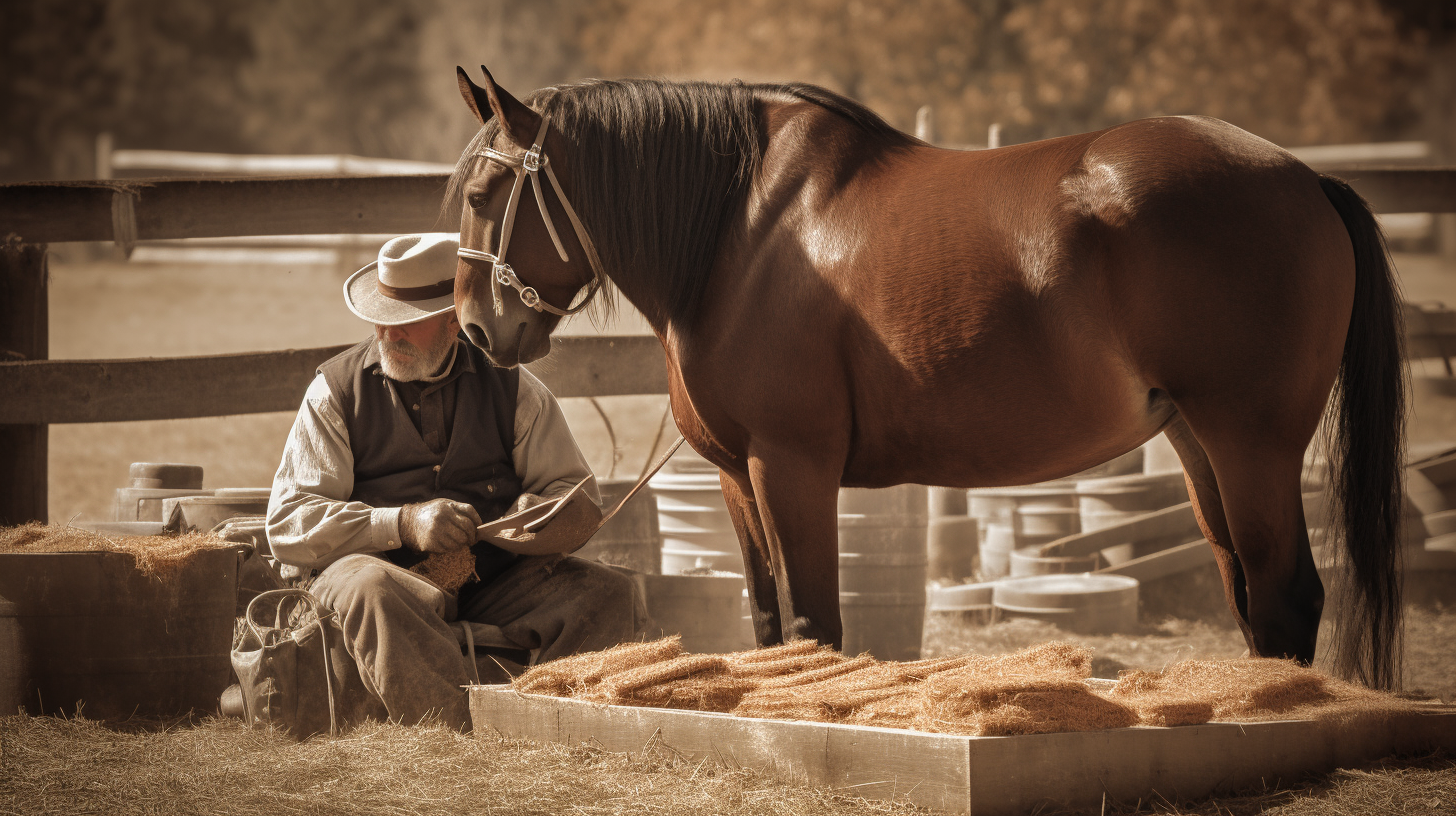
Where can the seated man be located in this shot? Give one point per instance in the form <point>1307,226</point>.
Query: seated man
<point>403,445</point>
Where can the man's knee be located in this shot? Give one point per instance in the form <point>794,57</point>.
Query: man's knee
<point>361,581</point>
<point>596,582</point>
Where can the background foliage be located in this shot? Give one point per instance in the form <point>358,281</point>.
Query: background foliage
<point>374,77</point>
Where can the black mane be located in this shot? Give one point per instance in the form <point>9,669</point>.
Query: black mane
<point>673,163</point>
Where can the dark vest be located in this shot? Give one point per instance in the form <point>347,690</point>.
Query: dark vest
<point>392,464</point>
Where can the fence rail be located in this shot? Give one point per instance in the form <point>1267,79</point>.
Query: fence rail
<point>35,392</point>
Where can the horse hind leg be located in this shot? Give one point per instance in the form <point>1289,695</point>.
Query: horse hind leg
<point>763,602</point>
<point>1248,503</point>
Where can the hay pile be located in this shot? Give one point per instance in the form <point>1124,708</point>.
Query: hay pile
<point>1037,690</point>
<point>159,557</point>
<point>448,571</point>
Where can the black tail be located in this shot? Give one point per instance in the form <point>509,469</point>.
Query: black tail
<point>1366,433</point>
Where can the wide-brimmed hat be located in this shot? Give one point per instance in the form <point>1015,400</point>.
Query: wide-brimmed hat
<point>413,279</point>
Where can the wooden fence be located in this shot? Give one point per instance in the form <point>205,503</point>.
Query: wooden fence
<point>36,392</point>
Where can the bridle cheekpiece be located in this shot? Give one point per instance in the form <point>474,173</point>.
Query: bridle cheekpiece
<point>529,166</point>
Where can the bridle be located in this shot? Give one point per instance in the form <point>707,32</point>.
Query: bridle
<point>529,165</point>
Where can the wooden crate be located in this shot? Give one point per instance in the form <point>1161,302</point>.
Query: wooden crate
<point>984,776</point>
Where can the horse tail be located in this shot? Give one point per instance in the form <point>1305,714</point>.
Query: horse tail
<point>1366,437</point>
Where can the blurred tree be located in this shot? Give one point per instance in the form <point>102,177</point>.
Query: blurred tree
<point>1299,71</point>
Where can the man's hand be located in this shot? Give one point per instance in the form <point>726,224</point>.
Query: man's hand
<point>439,526</point>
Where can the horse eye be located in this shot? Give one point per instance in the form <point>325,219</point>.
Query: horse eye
<point>476,200</point>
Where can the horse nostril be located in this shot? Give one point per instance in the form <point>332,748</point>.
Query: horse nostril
<point>477,336</point>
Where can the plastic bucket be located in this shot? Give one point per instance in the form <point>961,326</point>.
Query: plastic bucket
<point>996,546</point>
<point>88,628</point>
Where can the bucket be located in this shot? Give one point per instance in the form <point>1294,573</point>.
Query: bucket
<point>951,543</point>
<point>882,570</point>
<point>87,627</point>
<point>707,610</point>
<point>631,539</point>
<point>697,532</point>
<point>1039,521</point>
<point>1029,561</point>
<point>1088,604</point>
<point>996,546</point>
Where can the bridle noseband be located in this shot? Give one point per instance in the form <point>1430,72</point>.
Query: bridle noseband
<point>525,166</point>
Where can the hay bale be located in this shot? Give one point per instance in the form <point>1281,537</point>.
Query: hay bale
<point>583,671</point>
<point>157,557</point>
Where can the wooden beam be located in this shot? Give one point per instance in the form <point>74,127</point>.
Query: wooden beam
<point>24,335</point>
<point>1403,189</point>
<point>66,391</point>
<point>209,208</point>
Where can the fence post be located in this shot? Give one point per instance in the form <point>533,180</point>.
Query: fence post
<point>24,335</point>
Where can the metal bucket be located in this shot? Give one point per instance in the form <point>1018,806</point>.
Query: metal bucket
<point>632,538</point>
<point>707,610</point>
<point>87,627</point>
<point>882,570</point>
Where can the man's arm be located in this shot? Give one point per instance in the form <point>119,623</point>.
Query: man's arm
<point>311,522</point>
<point>545,453</point>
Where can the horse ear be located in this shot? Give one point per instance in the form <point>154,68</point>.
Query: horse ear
<point>519,122</point>
<point>475,96</point>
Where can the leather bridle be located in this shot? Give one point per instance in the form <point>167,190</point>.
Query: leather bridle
<point>529,165</point>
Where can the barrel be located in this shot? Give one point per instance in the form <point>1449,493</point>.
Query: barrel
<point>87,631</point>
<point>632,538</point>
<point>706,610</point>
<point>882,570</point>
<point>951,543</point>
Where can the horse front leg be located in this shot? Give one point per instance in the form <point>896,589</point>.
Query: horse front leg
<point>796,493</point>
<point>757,562</point>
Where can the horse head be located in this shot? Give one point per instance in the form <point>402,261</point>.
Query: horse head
<point>517,273</point>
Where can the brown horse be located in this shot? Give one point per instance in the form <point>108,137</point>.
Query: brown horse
<point>842,304</point>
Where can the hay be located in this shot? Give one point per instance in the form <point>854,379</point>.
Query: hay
<point>1040,689</point>
<point>157,557</point>
<point>1246,690</point>
<point>448,571</point>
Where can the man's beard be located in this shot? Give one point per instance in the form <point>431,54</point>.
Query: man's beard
<point>423,362</point>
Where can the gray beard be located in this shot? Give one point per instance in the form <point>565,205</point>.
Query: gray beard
<point>424,362</point>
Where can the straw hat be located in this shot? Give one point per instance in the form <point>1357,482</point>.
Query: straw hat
<point>413,279</point>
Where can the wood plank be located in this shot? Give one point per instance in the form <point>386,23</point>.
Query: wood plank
<point>66,391</point>
<point>586,366</point>
<point>204,208</point>
<point>24,335</point>
<point>930,770</point>
<point>1170,521</point>
<point>207,208</point>
<point>1163,563</point>
<point>1402,189</point>
<point>983,776</point>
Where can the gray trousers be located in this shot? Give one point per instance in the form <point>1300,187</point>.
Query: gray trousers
<point>397,625</point>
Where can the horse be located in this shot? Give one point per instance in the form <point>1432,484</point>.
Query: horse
<point>842,304</point>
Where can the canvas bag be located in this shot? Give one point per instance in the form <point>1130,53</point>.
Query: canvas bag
<point>294,671</point>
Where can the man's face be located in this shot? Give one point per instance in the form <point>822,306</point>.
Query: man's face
<point>416,350</point>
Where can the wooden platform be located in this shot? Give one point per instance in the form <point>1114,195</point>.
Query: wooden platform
<point>984,776</point>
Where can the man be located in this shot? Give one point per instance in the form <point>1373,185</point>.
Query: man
<point>403,445</point>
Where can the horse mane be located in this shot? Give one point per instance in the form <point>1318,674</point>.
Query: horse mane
<point>671,164</point>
